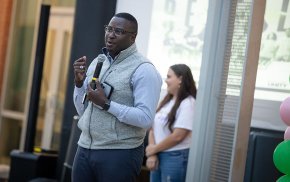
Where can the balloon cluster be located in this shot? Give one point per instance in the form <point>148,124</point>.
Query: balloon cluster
<point>281,156</point>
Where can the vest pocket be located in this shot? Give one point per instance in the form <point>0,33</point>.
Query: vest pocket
<point>104,131</point>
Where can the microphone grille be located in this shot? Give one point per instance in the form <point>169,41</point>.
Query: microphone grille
<point>101,58</point>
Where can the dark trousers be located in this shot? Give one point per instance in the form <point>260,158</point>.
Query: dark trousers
<point>114,165</point>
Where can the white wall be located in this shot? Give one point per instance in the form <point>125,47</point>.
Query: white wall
<point>266,115</point>
<point>142,11</point>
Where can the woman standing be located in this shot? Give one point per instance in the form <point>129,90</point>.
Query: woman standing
<point>169,138</point>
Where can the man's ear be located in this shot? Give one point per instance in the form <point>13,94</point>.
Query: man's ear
<point>133,37</point>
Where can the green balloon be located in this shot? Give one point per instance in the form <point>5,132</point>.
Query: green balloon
<point>281,157</point>
<point>285,178</point>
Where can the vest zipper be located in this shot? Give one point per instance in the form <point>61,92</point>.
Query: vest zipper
<point>91,141</point>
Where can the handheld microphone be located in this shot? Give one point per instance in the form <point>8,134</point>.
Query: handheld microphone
<point>101,58</point>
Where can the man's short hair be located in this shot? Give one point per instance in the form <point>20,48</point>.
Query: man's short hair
<point>128,17</point>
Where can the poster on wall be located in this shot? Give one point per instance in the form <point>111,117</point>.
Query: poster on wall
<point>273,77</point>
<point>176,35</point>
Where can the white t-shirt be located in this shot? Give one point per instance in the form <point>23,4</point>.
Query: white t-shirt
<point>183,119</point>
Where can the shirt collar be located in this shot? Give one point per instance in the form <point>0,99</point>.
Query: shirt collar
<point>121,54</point>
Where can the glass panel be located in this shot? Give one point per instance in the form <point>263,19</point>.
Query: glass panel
<point>176,35</point>
<point>275,53</point>
<point>60,97</point>
<point>20,57</point>
<point>54,82</point>
<point>61,93</point>
<point>9,138</point>
<point>44,85</point>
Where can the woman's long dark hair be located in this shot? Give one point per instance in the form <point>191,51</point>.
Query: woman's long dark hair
<point>187,88</point>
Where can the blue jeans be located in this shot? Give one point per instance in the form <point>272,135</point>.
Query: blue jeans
<point>172,167</point>
<point>116,165</point>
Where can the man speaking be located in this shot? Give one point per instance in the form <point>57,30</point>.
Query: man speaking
<point>118,111</point>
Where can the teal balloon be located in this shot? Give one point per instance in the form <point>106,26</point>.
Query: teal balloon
<point>281,157</point>
<point>285,178</point>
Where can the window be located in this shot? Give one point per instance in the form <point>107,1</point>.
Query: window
<point>176,35</point>
<point>273,79</point>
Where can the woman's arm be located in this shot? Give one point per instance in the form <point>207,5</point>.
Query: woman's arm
<point>151,140</point>
<point>152,161</point>
<point>173,139</point>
